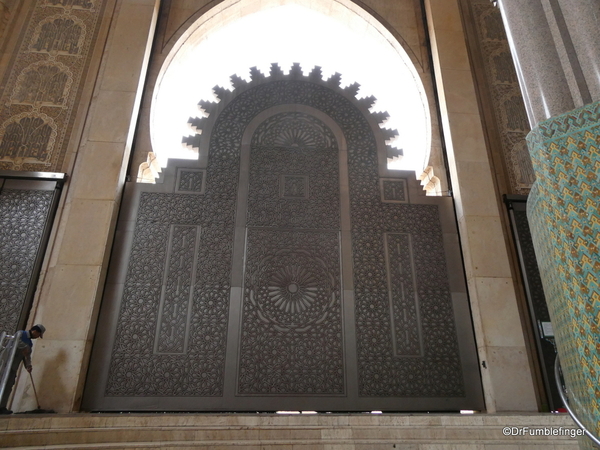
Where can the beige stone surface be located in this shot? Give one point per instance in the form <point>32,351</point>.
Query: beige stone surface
<point>69,296</point>
<point>56,373</point>
<point>86,232</point>
<point>300,431</point>
<point>499,314</point>
<point>452,447</point>
<point>476,315</point>
<point>513,386</point>
<point>125,53</point>
<point>489,277</point>
<point>111,112</point>
<point>445,15</point>
<point>477,189</point>
<point>467,126</point>
<point>452,52</point>
<point>486,253</point>
<point>402,17</point>
<point>336,433</point>
<point>102,163</point>
<point>459,91</point>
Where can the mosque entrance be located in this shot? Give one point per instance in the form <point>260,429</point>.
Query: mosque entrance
<point>285,269</point>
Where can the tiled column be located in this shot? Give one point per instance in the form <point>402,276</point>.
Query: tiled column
<point>558,60</point>
<point>564,214</point>
<point>72,286</point>
<point>500,339</point>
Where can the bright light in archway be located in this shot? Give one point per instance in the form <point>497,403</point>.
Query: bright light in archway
<point>285,35</point>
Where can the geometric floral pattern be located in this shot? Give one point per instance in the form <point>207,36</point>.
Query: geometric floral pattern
<point>292,327</point>
<point>292,338</point>
<point>23,217</point>
<point>380,373</point>
<point>564,213</point>
<point>292,330</point>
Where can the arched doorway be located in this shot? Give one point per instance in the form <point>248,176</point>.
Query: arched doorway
<point>286,268</point>
<point>336,36</point>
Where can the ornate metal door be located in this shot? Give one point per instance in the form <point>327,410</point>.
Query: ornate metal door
<point>287,268</point>
<point>28,202</point>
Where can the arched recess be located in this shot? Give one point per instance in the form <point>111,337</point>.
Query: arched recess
<point>182,47</point>
<point>194,301</point>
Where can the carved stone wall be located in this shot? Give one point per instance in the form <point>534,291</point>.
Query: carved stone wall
<point>43,84</point>
<point>507,101</point>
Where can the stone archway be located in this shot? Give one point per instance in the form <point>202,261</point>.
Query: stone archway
<point>193,60</point>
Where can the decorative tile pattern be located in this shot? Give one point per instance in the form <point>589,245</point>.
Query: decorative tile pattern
<point>564,214</point>
<point>136,355</point>
<point>404,302</point>
<point>41,88</point>
<point>294,176</point>
<point>294,186</point>
<point>292,312</point>
<point>294,130</point>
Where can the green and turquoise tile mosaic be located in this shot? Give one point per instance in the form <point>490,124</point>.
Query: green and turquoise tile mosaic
<point>564,214</point>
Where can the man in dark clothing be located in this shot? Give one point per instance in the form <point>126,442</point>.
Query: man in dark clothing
<point>23,353</point>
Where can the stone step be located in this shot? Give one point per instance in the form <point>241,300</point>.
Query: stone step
<point>289,432</point>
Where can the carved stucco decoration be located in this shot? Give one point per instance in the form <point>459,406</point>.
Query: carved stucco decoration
<point>42,86</point>
<point>75,4</point>
<point>43,83</point>
<point>292,291</point>
<point>509,109</point>
<point>59,34</point>
<point>27,136</point>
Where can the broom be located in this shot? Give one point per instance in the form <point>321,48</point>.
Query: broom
<point>39,409</point>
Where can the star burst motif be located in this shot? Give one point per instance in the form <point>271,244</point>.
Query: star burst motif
<point>293,289</point>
